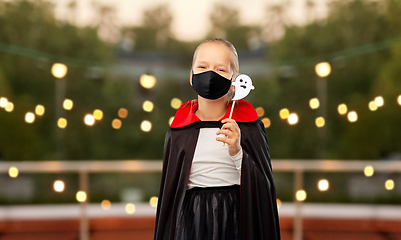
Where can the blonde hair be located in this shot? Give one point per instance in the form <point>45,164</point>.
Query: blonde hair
<point>234,63</point>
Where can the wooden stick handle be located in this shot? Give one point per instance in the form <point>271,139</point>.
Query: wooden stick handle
<point>231,113</point>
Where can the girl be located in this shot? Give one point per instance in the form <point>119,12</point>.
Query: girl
<point>217,181</point>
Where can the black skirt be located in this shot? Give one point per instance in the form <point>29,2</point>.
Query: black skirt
<point>210,213</point>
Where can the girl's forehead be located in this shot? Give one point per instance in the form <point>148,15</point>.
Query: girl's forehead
<point>213,51</point>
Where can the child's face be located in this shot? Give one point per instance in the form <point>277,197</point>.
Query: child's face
<point>215,57</point>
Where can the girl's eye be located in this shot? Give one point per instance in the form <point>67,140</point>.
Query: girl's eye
<point>202,67</point>
<point>221,70</point>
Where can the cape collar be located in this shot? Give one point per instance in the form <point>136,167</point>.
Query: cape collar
<point>243,112</point>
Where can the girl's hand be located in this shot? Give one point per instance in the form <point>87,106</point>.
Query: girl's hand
<point>233,136</point>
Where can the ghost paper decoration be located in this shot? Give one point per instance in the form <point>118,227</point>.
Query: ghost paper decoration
<point>243,85</point>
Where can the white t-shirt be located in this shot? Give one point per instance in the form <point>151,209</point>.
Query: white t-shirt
<point>212,166</point>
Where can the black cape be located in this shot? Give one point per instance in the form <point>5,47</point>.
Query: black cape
<point>258,207</point>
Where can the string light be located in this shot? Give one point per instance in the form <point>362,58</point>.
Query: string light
<point>81,196</point>
<point>98,114</point>
<point>59,70</point>
<point>260,111</point>
<point>266,122</point>
<point>116,124</point>
<point>40,110</point>
<point>153,201</point>
<point>29,117</point>
<point>122,113</point>
<point>170,121</point>
<point>320,122</point>
<point>58,186</point>
<point>379,101</point>
<point>284,113</point>
<point>368,171</point>
<point>89,120</point>
<point>323,185</point>
<point>314,103</point>
<point>106,204</point>
<point>389,184</point>
<point>147,81</point>
<point>146,126</point>
<point>293,119</point>
<point>323,69</point>
<point>342,109</point>
<point>352,116</point>
<point>278,203</point>
<point>372,106</point>
<point>130,208</point>
<point>399,100</point>
<point>300,195</point>
<point>3,102</point>
<point>68,104</point>
<point>175,103</point>
<point>147,106</point>
<point>62,123</point>
<point>13,172</point>
<point>9,107</point>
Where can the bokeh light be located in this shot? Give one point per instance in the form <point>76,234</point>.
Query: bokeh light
<point>368,171</point>
<point>372,106</point>
<point>40,110</point>
<point>3,102</point>
<point>389,184</point>
<point>98,114</point>
<point>175,103</point>
<point>284,113</point>
<point>29,117</point>
<point>147,81</point>
<point>314,103</point>
<point>147,106</point>
<point>170,121</point>
<point>352,116</point>
<point>323,69</point>
<point>266,122</point>
<point>9,107</point>
<point>342,109</point>
<point>59,70</point>
<point>89,120</point>
<point>320,122</point>
<point>105,204</point>
<point>62,123</point>
<point>278,203</point>
<point>146,126</point>
<point>13,172</point>
<point>379,101</point>
<point>300,195</point>
<point>323,185</point>
<point>293,119</point>
<point>122,113</point>
<point>68,104</point>
<point>399,100</point>
<point>130,208</point>
<point>81,196</point>
<point>116,124</point>
<point>260,111</point>
<point>58,186</point>
<point>153,201</point>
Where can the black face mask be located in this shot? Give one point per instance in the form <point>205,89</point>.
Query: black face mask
<point>210,85</point>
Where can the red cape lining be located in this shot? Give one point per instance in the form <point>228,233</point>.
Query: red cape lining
<point>243,112</point>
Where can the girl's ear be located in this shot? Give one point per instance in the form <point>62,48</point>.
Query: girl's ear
<point>190,77</point>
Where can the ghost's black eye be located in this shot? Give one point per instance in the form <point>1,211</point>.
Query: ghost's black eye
<point>246,82</point>
<point>241,80</point>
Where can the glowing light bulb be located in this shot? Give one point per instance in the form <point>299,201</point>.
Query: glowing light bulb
<point>130,208</point>
<point>89,120</point>
<point>59,70</point>
<point>260,111</point>
<point>68,104</point>
<point>342,109</point>
<point>372,106</point>
<point>106,204</point>
<point>379,101</point>
<point>153,201</point>
<point>314,103</point>
<point>320,122</point>
<point>352,116</point>
<point>81,196</point>
<point>13,172</point>
<point>284,113</point>
<point>389,184</point>
<point>300,195</point>
<point>62,123</point>
<point>266,122</point>
<point>323,185</point>
<point>98,114</point>
<point>146,126</point>
<point>58,186</point>
<point>293,119</point>
<point>175,103</point>
<point>323,69</point>
<point>122,113</point>
<point>147,81</point>
<point>29,117</point>
<point>369,171</point>
<point>147,106</point>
